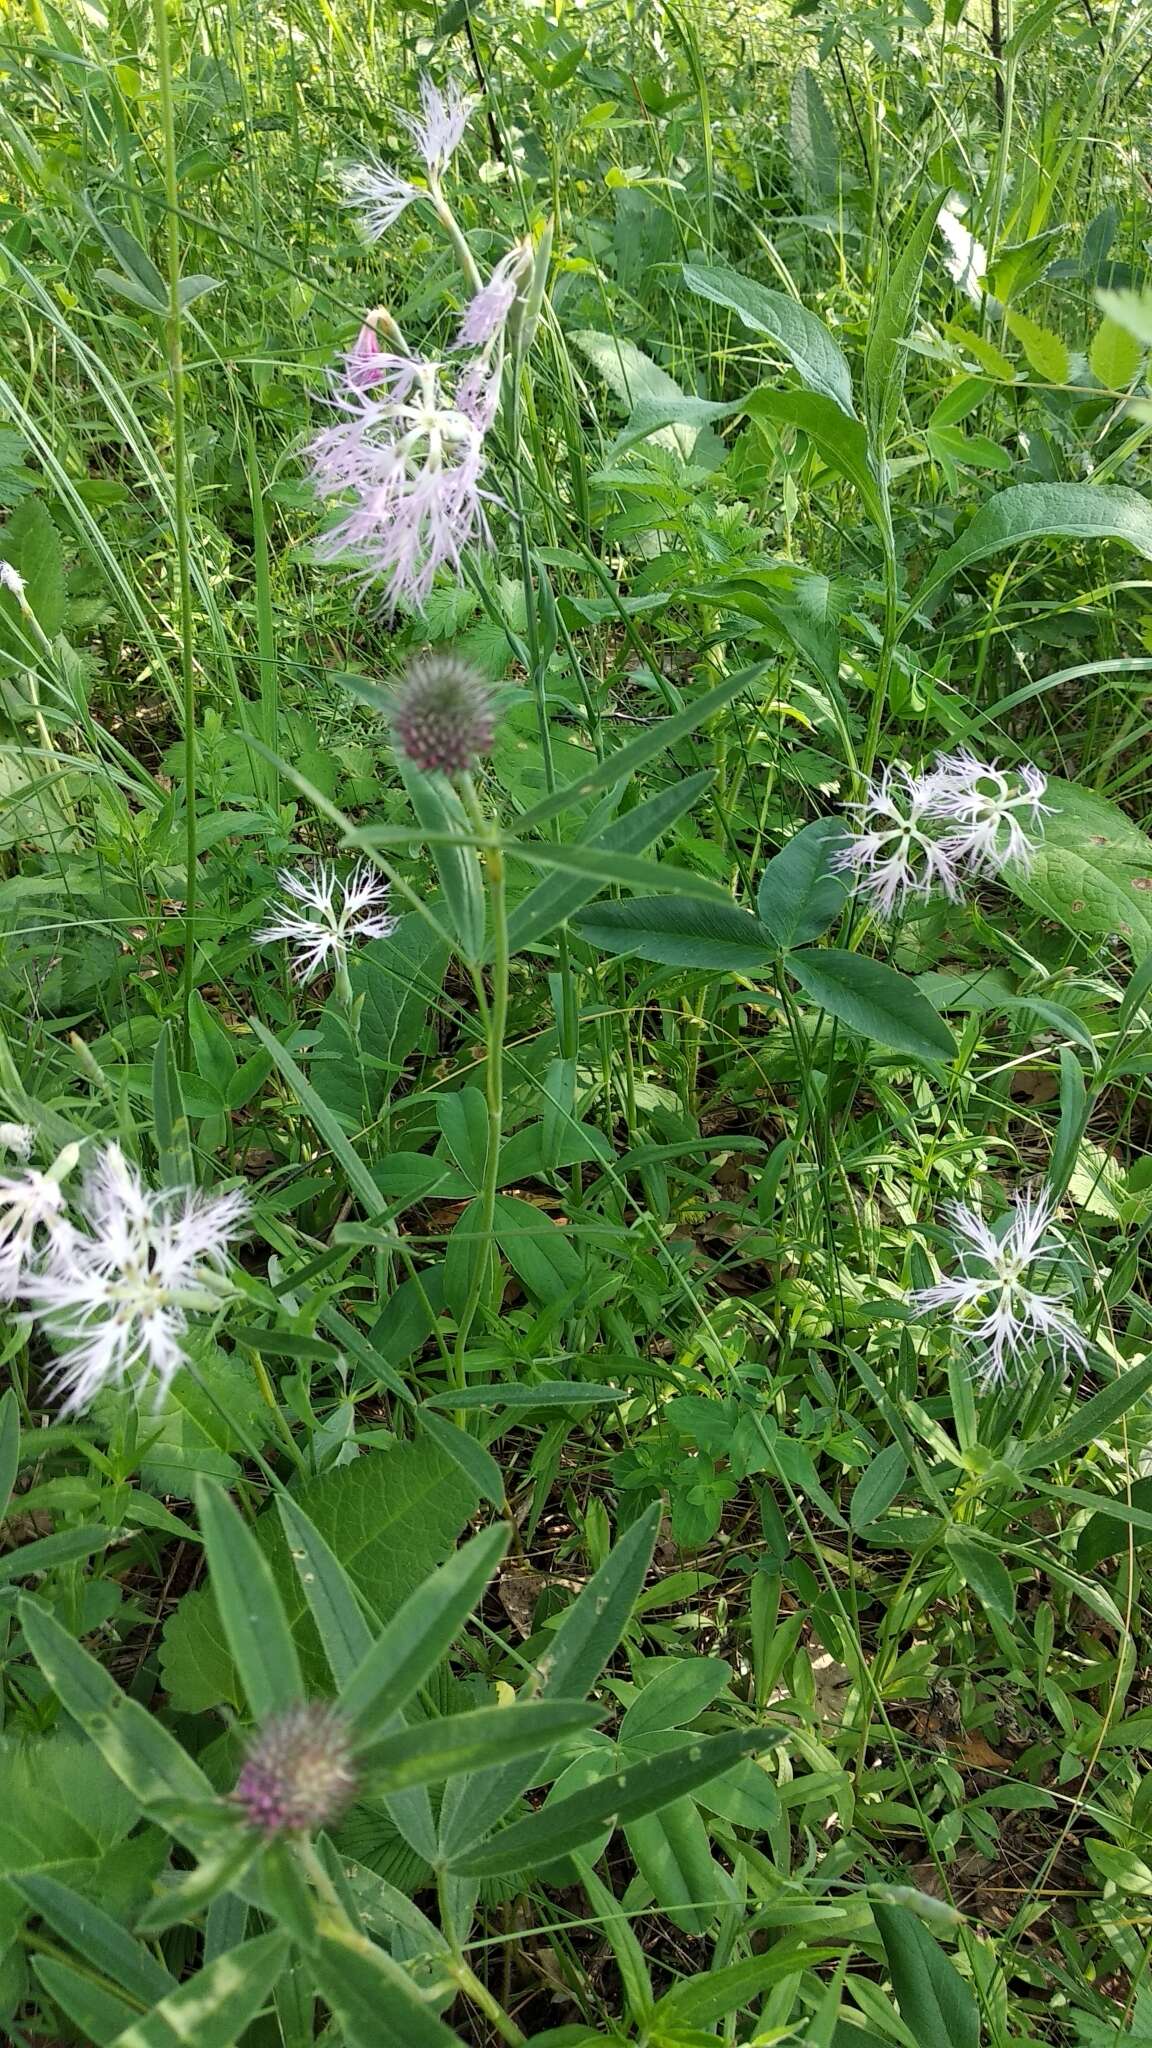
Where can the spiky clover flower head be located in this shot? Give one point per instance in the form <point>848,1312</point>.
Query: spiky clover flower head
<point>443,714</point>
<point>299,1773</point>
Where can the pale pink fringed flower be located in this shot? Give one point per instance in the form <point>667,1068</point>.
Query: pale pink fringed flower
<point>412,453</point>
<point>380,194</point>
<point>488,311</point>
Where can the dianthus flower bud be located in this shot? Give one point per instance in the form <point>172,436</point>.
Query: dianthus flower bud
<point>298,1775</point>
<point>443,715</point>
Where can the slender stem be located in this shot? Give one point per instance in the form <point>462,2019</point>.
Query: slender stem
<point>456,236</point>
<point>494,1012</point>
<point>891,629</point>
<point>175,349</point>
<point>480,1995</point>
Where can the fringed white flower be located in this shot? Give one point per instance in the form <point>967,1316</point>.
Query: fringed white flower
<point>31,1213</point>
<point>321,917</point>
<point>896,853</point>
<point>1007,1299</point>
<point>116,1292</point>
<point>993,815</point>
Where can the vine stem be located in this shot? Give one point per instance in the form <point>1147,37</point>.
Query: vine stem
<point>494,1013</point>
<point>175,351</point>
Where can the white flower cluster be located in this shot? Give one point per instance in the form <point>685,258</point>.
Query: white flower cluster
<point>960,818</point>
<point>113,1273</point>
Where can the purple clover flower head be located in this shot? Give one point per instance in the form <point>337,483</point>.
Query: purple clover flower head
<point>443,714</point>
<point>379,193</point>
<point>437,130</point>
<point>298,1774</point>
<point>486,314</point>
<point>413,457</point>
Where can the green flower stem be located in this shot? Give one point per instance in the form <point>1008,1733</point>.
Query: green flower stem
<point>175,351</point>
<point>456,236</point>
<point>494,1015</point>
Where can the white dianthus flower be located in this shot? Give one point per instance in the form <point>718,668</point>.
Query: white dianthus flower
<point>895,851</point>
<point>1007,1296</point>
<point>31,1211</point>
<point>17,1138</point>
<point>332,914</point>
<point>991,814</point>
<point>117,1294</point>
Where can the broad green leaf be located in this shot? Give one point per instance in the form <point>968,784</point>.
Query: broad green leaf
<point>1091,870</point>
<point>678,931</point>
<point>1028,512</point>
<point>1115,355</point>
<point>214,2007</point>
<point>984,1572</point>
<point>100,1940</point>
<point>1130,310</point>
<point>876,1491</point>
<point>800,893</point>
<point>415,1641</point>
<point>542,1256</point>
<point>812,136</point>
<point>431,1751</point>
<point>330,1594</point>
<point>388,1518</point>
<point>33,546</point>
<point>559,896</point>
<point>1046,353</point>
<point>873,1000</point>
<point>936,2004</point>
<point>374,1999</point>
<point>633,376</point>
<point>638,1789</point>
<point>679,1690</point>
<point>137,1747</point>
<point>796,332</point>
<point>397,983</point>
<point>248,1602</point>
<point>841,440</point>
<point>673,1855</point>
<point>892,322</point>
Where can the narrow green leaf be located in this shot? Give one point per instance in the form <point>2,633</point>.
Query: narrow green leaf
<point>878,1488</point>
<point>585,1639</point>
<point>9,1446</point>
<point>359,1179</point>
<point>102,1942</point>
<point>374,2000</point>
<point>328,1590</point>
<point>213,2008</point>
<point>438,807</point>
<point>701,2001</point>
<point>432,1751</point>
<point>134,1744</point>
<point>1089,1420</point>
<point>415,1641</point>
<point>100,2014</point>
<point>248,1603</point>
<point>639,1789</point>
<point>65,1547</point>
<point>873,1000</point>
<point>474,1458</point>
<point>893,320</point>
